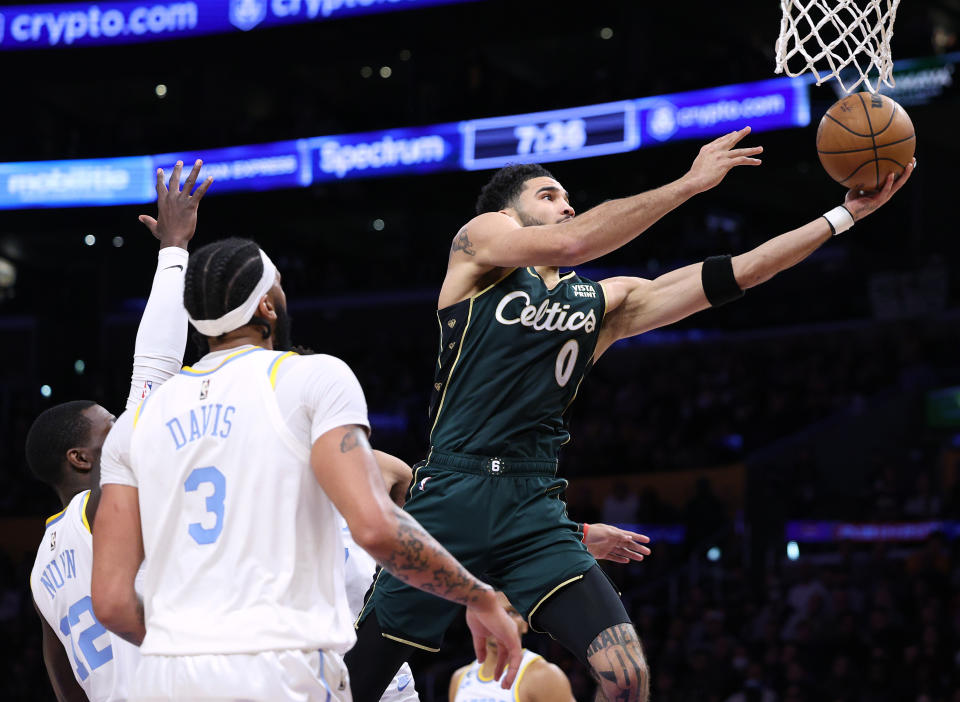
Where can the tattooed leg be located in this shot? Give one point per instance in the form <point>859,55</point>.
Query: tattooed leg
<point>617,661</point>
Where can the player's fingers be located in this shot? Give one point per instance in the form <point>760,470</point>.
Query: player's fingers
<point>640,538</point>
<point>202,190</point>
<point>175,177</point>
<point>161,186</point>
<point>905,176</point>
<point>192,177</point>
<point>479,645</point>
<point>516,656</point>
<point>734,137</point>
<point>746,161</point>
<point>638,549</point>
<point>746,151</point>
<point>149,222</point>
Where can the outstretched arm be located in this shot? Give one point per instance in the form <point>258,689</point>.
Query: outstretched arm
<point>637,305</point>
<point>162,334</point>
<point>494,240</point>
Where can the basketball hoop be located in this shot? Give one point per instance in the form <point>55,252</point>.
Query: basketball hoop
<point>835,35</point>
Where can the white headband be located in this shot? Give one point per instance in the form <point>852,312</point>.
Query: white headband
<point>236,318</point>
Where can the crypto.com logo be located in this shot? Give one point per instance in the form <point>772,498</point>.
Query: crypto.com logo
<point>247,14</point>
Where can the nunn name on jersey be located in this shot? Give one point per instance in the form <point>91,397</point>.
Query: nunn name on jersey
<point>58,571</point>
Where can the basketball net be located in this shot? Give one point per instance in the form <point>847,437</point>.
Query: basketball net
<point>835,34</point>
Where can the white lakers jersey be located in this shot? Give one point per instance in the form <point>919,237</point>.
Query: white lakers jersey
<point>473,687</point>
<point>243,552</point>
<point>102,663</point>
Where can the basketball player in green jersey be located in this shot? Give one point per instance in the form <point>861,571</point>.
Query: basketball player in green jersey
<point>517,338</point>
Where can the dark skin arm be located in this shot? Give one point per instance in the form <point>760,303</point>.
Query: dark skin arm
<point>59,668</point>
<point>175,225</point>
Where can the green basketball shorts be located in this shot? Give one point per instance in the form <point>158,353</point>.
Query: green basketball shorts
<point>504,520</point>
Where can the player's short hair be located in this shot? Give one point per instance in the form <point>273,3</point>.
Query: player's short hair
<point>220,276</point>
<point>57,430</point>
<point>506,184</point>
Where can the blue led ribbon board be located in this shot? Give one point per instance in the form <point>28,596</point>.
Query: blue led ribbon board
<point>764,105</point>
<point>107,23</point>
<point>559,135</point>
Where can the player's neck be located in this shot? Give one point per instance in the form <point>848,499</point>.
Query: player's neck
<point>550,275</point>
<point>244,336</point>
<point>489,666</point>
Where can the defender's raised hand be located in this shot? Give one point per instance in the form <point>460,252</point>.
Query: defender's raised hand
<point>717,158</point>
<point>176,219</point>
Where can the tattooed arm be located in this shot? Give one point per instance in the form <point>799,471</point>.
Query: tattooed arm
<point>347,470</point>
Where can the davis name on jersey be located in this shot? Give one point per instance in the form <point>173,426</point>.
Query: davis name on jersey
<point>212,419</point>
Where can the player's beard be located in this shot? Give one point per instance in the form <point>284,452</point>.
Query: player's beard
<point>281,330</point>
<point>527,220</point>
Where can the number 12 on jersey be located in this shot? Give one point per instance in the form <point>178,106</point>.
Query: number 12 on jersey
<point>214,502</point>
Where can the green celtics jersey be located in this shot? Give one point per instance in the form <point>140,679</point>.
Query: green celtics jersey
<point>511,361</point>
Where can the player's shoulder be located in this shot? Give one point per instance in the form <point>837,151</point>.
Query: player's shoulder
<point>456,679</point>
<point>487,223</point>
<point>318,365</point>
<point>539,675</point>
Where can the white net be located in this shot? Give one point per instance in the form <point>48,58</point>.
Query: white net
<point>825,37</point>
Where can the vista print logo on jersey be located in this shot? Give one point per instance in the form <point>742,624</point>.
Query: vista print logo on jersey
<point>547,317</point>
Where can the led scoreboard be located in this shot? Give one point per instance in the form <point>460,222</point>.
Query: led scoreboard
<point>559,135</point>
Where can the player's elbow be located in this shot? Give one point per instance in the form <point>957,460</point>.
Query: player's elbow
<point>110,604</point>
<point>375,532</point>
<point>572,249</point>
<point>750,271</point>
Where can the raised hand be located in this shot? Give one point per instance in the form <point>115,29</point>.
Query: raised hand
<point>176,219</point>
<point>860,205</point>
<point>717,158</point>
<point>606,542</point>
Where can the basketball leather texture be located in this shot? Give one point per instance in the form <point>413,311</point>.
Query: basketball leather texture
<point>862,138</point>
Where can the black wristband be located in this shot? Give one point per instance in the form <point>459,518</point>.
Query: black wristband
<point>719,283</point>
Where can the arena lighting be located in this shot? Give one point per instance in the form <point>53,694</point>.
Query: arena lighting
<point>713,554</point>
<point>46,390</point>
<point>160,90</point>
<point>79,366</point>
<point>793,550</point>
<point>109,23</point>
<point>89,240</point>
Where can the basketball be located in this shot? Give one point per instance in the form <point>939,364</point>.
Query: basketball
<point>862,138</point>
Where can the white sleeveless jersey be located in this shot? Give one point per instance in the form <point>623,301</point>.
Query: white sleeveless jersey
<point>473,687</point>
<point>243,552</point>
<point>360,567</point>
<point>102,663</point>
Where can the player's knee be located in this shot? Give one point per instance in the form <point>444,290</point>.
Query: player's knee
<point>619,665</point>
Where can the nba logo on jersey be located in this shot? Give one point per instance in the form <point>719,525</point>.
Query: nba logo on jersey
<point>423,483</point>
<point>147,387</point>
<point>247,14</point>
<point>204,389</point>
<point>53,540</point>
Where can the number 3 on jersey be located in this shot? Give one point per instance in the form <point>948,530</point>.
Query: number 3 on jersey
<point>214,504</point>
<point>566,360</point>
